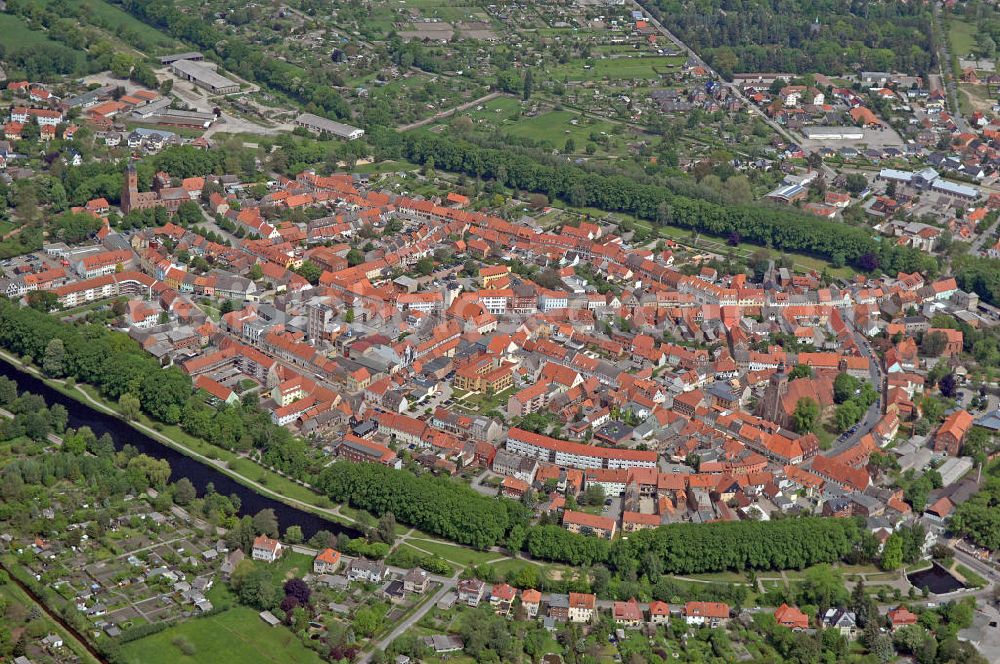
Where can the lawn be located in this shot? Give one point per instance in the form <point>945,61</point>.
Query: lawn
<point>963,37</point>
<point>455,554</point>
<point>237,635</point>
<point>390,166</point>
<point>557,126</point>
<point>483,402</point>
<point>511,567</point>
<point>290,565</point>
<point>720,577</point>
<point>971,578</point>
<point>802,262</point>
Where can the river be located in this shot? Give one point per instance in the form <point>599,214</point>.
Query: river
<point>81,414</point>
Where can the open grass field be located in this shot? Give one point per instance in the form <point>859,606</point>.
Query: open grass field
<point>963,37</point>
<point>617,69</point>
<point>17,34</point>
<point>495,110</point>
<point>802,262</point>
<point>456,554</point>
<point>720,577</point>
<point>237,635</point>
<point>557,126</point>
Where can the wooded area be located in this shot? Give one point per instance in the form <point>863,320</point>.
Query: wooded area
<point>825,36</point>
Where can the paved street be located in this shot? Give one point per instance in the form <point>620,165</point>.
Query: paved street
<point>985,235</point>
<point>874,412</point>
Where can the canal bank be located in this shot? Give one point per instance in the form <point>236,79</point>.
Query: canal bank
<point>184,462</point>
<point>79,639</point>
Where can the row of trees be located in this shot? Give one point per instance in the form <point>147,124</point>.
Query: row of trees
<point>435,505</point>
<point>782,228</point>
<point>448,509</point>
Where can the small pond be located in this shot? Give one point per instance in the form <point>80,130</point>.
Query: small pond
<point>936,579</point>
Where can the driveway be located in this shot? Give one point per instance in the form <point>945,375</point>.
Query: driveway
<point>478,486</point>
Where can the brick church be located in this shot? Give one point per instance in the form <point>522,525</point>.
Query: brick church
<point>163,195</point>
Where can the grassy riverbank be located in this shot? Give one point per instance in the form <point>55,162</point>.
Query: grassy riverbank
<point>241,469</point>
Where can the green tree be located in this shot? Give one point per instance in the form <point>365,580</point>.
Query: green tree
<point>368,620</point>
<point>257,589</point>
<point>184,492</point>
<point>129,406</point>
<point>355,257</point>
<point>800,371</point>
<point>309,271</point>
<point>856,183</point>
<point>847,415</point>
<point>44,301</point>
<point>805,417</point>
<point>823,586</point>
<point>386,530</point>
<point>933,344</point>
<point>121,65</point>
<point>145,471</point>
<point>266,522</point>
<point>293,534</point>
<point>54,358</point>
<point>593,495</point>
<point>844,387</point>
<point>892,553</point>
<point>425,265</point>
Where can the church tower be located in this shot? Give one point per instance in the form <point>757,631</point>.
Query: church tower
<point>130,188</point>
<point>777,387</point>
